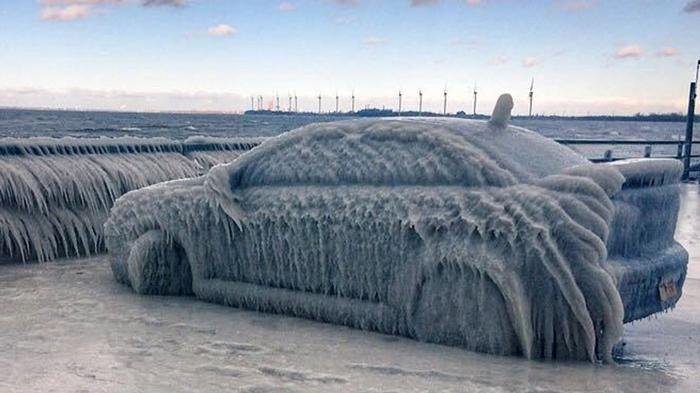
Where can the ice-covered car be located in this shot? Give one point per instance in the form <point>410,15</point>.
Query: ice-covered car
<point>467,233</point>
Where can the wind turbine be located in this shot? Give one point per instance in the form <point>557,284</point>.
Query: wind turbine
<point>474,113</point>
<point>532,85</point>
<point>400,95</point>
<point>420,102</point>
<point>444,102</point>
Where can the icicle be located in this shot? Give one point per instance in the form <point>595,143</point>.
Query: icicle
<point>69,184</point>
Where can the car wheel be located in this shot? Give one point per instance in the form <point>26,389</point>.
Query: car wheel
<point>461,306</point>
<point>158,265</point>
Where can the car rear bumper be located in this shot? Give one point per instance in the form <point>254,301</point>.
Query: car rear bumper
<point>651,283</point>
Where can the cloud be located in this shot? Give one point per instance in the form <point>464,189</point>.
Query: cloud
<point>375,41</point>
<point>68,10</point>
<point>577,5</point>
<point>692,6</point>
<point>530,61</point>
<point>629,52</point>
<point>473,2</point>
<point>499,60</point>
<point>221,30</point>
<point>78,2</point>
<point>286,6</point>
<point>667,52</point>
<point>66,13</point>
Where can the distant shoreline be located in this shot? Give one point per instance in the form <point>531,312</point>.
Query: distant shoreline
<point>653,117</point>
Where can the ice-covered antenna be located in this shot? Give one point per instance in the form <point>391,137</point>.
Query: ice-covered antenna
<point>474,99</point>
<point>289,108</point>
<point>319,103</point>
<point>252,103</point>
<point>501,112</point>
<point>296,102</point>
<point>336,102</point>
<point>532,85</point>
<point>352,108</point>
<point>420,102</point>
<point>277,97</point>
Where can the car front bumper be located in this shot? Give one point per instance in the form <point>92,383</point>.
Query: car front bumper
<point>650,283</point>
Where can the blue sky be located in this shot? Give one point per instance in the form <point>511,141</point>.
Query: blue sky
<point>586,56</point>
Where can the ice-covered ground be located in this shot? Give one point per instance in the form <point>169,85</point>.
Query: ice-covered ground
<point>69,327</point>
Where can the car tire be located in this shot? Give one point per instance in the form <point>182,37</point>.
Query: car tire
<point>460,306</point>
<point>158,265</point>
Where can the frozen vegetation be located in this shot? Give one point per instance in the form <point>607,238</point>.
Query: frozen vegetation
<point>55,194</point>
<point>468,233</point>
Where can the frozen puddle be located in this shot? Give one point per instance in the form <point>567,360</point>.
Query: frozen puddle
<point>69,327</point>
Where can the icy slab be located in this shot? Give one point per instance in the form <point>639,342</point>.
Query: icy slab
<point>459,232</point>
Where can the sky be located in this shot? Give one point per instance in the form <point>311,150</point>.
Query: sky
<point>586,56</point>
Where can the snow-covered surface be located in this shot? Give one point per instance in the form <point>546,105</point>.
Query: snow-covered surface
<point>68,327</point>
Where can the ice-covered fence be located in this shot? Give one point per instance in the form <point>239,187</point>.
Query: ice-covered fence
<point>55,193</point>
<point>606,150</point>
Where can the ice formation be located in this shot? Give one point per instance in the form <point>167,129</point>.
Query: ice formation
<point>55,194</point>
<point>458,232</point>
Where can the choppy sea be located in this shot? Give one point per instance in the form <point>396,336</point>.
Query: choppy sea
<point>30,123</point>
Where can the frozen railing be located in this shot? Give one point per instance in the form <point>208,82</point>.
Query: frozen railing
<point>55,193</point>
<point>78,146</point>
<point>664,149</point>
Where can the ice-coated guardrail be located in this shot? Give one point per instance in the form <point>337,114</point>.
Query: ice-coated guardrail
<point>55,193</point>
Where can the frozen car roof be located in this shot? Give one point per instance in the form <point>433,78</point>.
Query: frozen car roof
<point>403,151</point>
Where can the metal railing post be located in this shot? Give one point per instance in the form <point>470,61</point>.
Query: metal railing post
<point>689,125</point>
<point>689,131</point>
